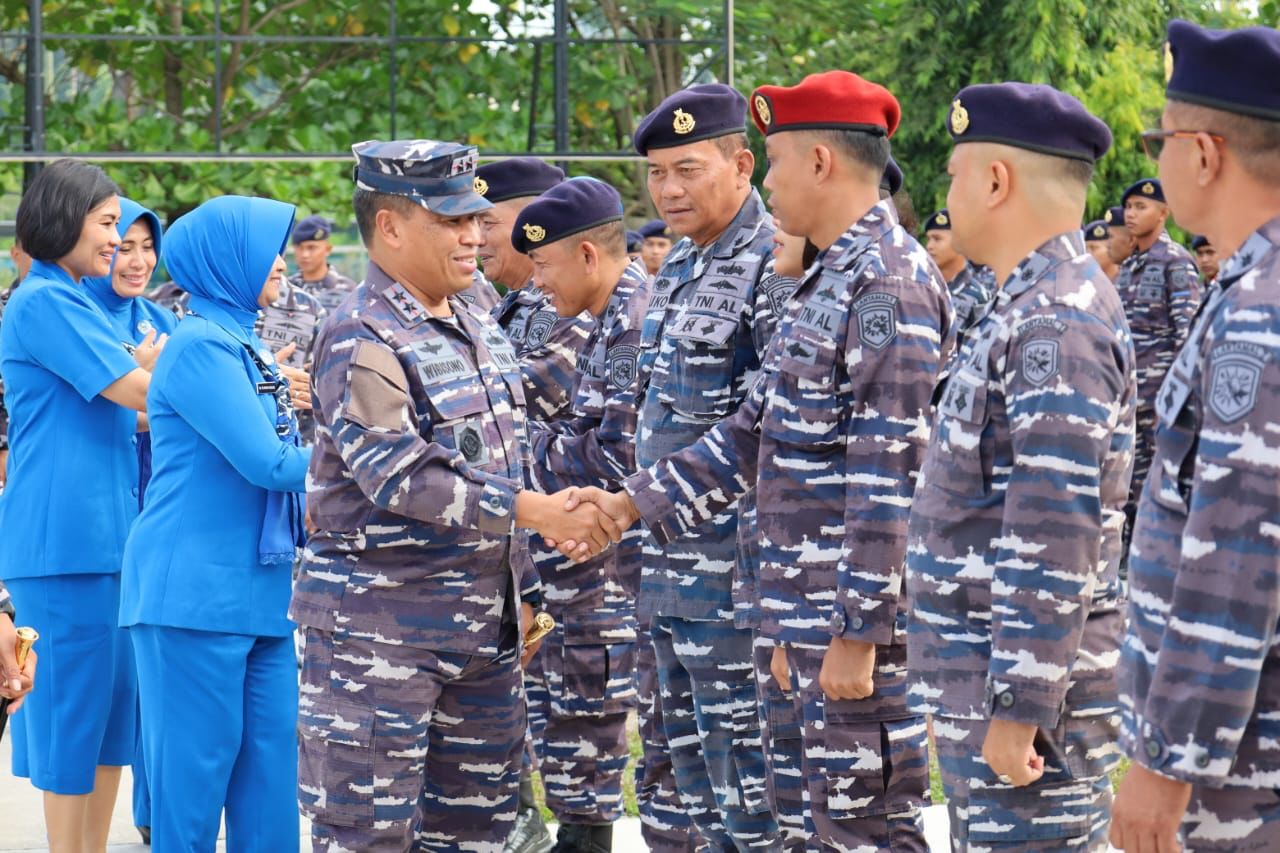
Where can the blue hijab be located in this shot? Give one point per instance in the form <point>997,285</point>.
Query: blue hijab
<point>130,317</point>
<point>221,254</point>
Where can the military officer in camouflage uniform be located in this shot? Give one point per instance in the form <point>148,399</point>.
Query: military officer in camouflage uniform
<point>546,344</point>
<point>1206,258</point>
<point>1097,239</point>
<point>1120,243</point>
<point>971,285</point>
<point>411,718</point>
<point>1200,671</point>
<point>657,245</point>
<point>573,234</point>
<point>712,312</point>
<point>311,249</point>
<point>547,348</point>
<point>832,436</point>
<point>1012,567</point>
<point>1160,288</point>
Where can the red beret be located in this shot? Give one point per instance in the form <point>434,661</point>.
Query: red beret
<point>832,100</point>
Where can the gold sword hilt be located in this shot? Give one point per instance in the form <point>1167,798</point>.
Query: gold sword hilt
<point>543,623</point>
<point>26,639</point>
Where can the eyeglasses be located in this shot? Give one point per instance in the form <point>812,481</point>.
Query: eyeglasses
<point>1153,140</point>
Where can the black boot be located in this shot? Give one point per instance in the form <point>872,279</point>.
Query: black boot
<point>530,834</point>
<point>584,838</point>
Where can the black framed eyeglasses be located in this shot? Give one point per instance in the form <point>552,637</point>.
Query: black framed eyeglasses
<point>1153,140</point>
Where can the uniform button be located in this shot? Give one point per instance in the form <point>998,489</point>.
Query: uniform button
<point>856,623</point>
<point>1202,761</point>
<point>495,501</point>
<point>1153,749</point>
<point>1006,700</point>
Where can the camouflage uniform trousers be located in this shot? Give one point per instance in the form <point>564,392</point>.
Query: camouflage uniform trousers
<point>579,697</point>
<point>401,748</point>
<point>783,751</point>
<point>866,762</point>
<point>712,722</point>
<point>1069,808</point>
<point>1232,820</point>
<point>1144,443</point>
<point>665,825</point>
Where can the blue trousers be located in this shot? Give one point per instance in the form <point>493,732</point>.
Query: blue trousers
<point>219,719</point>
<point>711,715</point>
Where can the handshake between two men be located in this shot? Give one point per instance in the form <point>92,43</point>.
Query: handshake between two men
<point>579,522</point>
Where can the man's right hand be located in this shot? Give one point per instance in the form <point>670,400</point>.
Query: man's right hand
<point>590,529</point>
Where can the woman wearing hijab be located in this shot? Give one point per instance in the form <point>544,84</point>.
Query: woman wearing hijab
<point>73,394</point>
<point>135,321</point>
<point>207,568</point>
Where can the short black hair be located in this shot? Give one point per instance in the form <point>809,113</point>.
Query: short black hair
<point>730,144</point>
<point>611,238</point>
<point>1255,141</point>
<point>51,214</point>
<point>367,203</point>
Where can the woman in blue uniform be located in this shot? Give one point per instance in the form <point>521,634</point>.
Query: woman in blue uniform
<point>207,567</point>
<point>73,394</point>
<point>137,322</point>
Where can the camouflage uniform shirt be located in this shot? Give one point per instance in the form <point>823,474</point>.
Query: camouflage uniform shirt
<point>1160,289</point>
<point>971,290</point>
<point>1014,538</point>
<point>709,321</point>
<point>832,435</point>
<point>1199,668</point>
<point>420,451</point>
<point>328,291</point>
<point>547,345</point>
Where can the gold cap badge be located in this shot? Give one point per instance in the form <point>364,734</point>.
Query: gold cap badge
<point>683,122</point>
<point>1148,188</point>
<point>762,110</point>
<point>1108,217</point>
<point>321,234</point>
<point>480,185</point>
<point>959,118</point>
<point>1168,63</point>
<point>942,219</point>
<point>534,233</point>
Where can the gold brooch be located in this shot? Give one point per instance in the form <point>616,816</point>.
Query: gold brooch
<point>762,110</point>
<point>480,185</point>
<point>959,118</point>
<point>535,233</point>
<point>682,123</point>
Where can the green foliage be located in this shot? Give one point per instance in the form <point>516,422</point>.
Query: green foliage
<point>477,84</point>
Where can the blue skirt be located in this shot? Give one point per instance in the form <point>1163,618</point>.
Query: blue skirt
<point>83,711</point>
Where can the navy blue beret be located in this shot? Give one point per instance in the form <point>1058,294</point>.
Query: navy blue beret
<point>635,241</point>
<point>940,221</point>
<point>440,176</point>
<point>1231,70</point>
<point>699,112</point>
<point>1199,242</point>
<point>314,227</point>
<point>1114,216</point>
<point>655,228</point>
<point>1096,230</point>
<point>1145,188</point>
<point>1028,115</point>
<point>891,180</point>
<point>516,178</point>
<point>569,208</point>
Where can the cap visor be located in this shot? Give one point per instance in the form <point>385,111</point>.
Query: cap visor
<point>464,204</point>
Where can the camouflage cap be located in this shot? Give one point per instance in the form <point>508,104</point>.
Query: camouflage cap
<point>438,175</point>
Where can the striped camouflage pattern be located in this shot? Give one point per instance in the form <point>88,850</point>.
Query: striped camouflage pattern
<point>1015,526</point>
<point>1160,289</point>
<point>971,290</point>
<point>294,318</point>
<point>421,447</point>
<point>709,321</point>
<point>1200,659</point>
<point>481,297</point>
<point>328,291</point>
<point>548,347</point>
